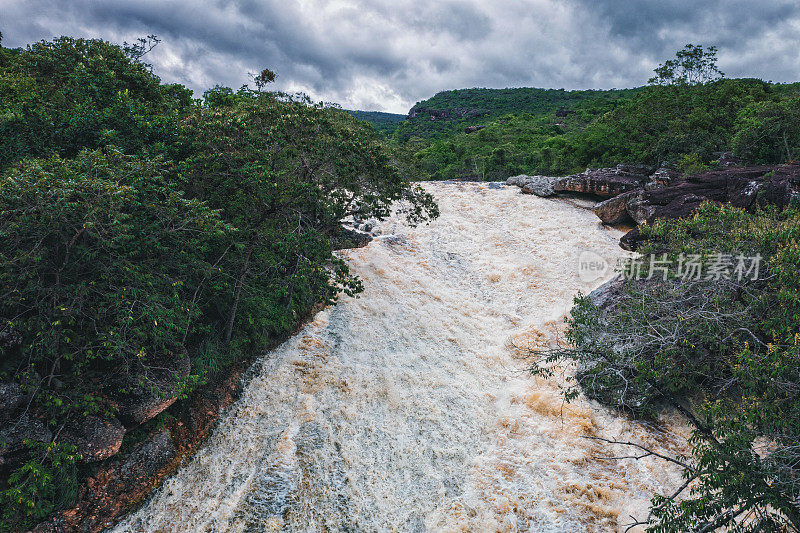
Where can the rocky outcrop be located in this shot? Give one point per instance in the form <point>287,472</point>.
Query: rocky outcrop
<point>744,187</point>
<point>138,403</point>
<point>604,182</point>
<point>445,114</point>
<point>124,480</point>
<point>629,194</point>
<point>606,295</point>
<point>538,185</point>
<point>95,438</point>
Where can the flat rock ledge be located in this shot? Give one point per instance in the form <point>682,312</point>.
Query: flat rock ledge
<point>631,194</point>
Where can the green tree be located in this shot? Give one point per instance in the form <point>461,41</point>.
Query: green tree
<point>692,65</point>
<point>769,131</point>
<point>62,96</point>
<point>723,352</point>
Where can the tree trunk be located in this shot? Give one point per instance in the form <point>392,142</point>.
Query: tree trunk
<point>237,292</point>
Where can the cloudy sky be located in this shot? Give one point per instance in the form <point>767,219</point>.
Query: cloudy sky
<point>385,55</point>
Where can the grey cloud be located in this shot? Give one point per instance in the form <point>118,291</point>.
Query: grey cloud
<point>387,54</point>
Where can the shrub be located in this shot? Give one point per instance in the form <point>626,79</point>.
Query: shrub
<point>724,352</point>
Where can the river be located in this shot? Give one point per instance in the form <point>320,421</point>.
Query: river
<point>407,408</point>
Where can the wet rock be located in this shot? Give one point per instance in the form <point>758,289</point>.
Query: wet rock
<point>350,238</point>
<point>614,210</point>
<point>95,438</point>
<point>538,185</point>
<point>604,182</point>
<point>606,295</point>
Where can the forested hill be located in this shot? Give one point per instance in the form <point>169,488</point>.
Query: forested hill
<point>385,123</point>
<point>451,111</point>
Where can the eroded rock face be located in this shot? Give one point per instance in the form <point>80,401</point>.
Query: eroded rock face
<point>631,195</point>
<point>604,182</point>
<point>744,187</point>
<point>95,438</point>
<point>615,210</point>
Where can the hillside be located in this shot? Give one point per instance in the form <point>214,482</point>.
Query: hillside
<point>385,123</point>
<point>450,111</point>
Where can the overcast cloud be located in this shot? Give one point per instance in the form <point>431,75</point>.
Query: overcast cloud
<point>387,54</point>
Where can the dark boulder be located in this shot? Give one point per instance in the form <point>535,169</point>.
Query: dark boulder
<point>95,438</point>
<point>614,210</point>
<point>139,402</point>
<point>11,400</point>
<point>14,434</point>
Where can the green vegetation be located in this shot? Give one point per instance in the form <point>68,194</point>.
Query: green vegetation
<point>385,123</point>
<point>141,227</point>
<point>722,351</point>
<point>449,112</point>
<point>686,118</point>
<point>719,347</point>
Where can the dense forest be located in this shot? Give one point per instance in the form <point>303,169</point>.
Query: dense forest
<point>385,123</point>
<point>490,134</point>
<point>150,239</point>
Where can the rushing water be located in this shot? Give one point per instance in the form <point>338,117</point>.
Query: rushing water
<point>407,409</point>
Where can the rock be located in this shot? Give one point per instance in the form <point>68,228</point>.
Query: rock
<point>165,384</point>
<point>604,182</point>
<point>517,181</point>
<point>11,399</point>
<point>13,434</point>
<point>473,129</point>
<point>630,240</point>
<point>744,187</point>
<point>149,457</point>
<point>606,294</point>
<point>538,185</point>
<point>95,438</point>
<point>661,178</point>
<point>614,210</point>
<point>350,238</point>
<point>638,207</point>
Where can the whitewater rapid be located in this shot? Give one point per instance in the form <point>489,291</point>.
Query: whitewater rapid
<point>407,408</point>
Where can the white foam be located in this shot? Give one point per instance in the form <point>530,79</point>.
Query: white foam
<point>406,408</point>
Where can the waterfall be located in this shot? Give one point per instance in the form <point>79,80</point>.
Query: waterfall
<point>407,408</point>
